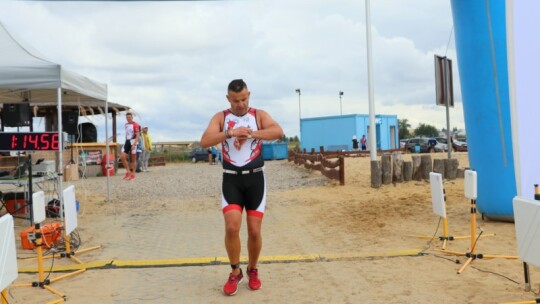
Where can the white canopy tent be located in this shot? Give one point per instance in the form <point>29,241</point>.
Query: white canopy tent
<point>27,77</point>
<point>23,69</point>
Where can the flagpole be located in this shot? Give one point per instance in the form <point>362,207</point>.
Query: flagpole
<point>372,128</point>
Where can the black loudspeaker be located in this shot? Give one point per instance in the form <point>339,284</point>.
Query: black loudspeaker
<point>87,133</point>
<point>16,115</point>
<point>70,120</point>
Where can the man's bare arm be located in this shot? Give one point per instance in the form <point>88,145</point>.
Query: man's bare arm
<point>270,129</point>
<point>213,133</point>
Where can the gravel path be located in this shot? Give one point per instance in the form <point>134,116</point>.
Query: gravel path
<point>189,181</point>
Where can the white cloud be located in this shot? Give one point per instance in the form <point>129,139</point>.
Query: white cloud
<point>172,61</point>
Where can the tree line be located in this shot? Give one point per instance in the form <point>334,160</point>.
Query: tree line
<point>423,129</point>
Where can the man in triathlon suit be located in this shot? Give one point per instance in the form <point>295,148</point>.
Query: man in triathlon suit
<point>130,147</point>
<point>240,130</point>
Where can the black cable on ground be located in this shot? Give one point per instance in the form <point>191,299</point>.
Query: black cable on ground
<point>50,269</point>
<point>495,273</point>
<point>428,244</point>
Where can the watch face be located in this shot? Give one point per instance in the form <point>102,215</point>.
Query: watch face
<point>29,141</point>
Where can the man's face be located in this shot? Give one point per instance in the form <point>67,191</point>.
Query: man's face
<point>129,117</point>
<point>239,101</point>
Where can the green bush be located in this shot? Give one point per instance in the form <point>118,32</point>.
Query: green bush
<point>174,156</point>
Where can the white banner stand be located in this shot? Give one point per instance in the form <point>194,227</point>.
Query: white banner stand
<point>471,192</point>
<point>438,202</point>
<point>8,257</point>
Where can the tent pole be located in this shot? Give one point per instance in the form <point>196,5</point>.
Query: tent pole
<point>107,150</point>
<point>60,152</point>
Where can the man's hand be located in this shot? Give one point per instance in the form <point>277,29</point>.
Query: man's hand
<point>242,133</point>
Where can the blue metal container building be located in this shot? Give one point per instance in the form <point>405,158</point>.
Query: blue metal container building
<point>274,150</point>
<point>336,132</point>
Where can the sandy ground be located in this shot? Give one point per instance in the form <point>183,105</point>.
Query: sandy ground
<point>322,242</point>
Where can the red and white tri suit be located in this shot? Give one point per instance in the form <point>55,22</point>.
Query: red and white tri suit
<point>132,128</point>
<point>244,184</point>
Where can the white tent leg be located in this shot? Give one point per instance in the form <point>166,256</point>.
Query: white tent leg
<point>61,154</point>
<point>107,150</point>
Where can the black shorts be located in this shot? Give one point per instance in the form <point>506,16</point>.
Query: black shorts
<point>127,147</point>
<point>244,191</point>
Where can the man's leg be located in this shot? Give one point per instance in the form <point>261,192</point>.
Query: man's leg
<point>254,244</point>
<point>139,160</point>
<point>143,156</point>
<point>148,153</point>
<point>123,157</point>
<point>233,220</point>
<point>146,157</point>
<point>133,164</point>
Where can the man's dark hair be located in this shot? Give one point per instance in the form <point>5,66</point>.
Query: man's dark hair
<point>237,85</point>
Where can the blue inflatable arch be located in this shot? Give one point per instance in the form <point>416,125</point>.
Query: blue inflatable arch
<point>480,31</point>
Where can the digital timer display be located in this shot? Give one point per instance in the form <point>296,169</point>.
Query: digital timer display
<point>29,141</point>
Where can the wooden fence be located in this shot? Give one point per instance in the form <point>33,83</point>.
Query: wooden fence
<point>156,161</point>
<point>383,171</point>
<point>331,168</point>
<point>172,146</point>
<point>352,153</point>
<point>153,161</point>
<point>392,169</point>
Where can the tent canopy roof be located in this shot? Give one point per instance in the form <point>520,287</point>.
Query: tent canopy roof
<point>26,76</point>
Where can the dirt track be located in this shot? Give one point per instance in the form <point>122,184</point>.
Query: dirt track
<point>322,242</point>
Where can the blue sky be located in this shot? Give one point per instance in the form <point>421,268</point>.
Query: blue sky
<point>171,61</point>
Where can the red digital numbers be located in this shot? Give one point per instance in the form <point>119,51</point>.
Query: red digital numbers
<point>29,141</point>
<point>14,140</point>
<point>54,142</point>
<point>44,139</point>
<point>32,140</point>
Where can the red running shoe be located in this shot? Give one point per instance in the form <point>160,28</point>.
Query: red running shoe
<point>132,177</point>
<point>231,287</point>
<point>254,282</point>
<point>127,176</point>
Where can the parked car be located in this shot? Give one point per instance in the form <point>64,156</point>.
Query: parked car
<point>442,142</point>
<point>459,146</point>
<point>403,143</point>
<point>198,154</point>
<point>201,154</point>
<point>423,145</point>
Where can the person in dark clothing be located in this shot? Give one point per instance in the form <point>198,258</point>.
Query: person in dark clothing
<point>432,142</point>
<point>354,143</point>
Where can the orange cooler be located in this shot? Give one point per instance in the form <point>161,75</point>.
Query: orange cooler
<point>51,233</point>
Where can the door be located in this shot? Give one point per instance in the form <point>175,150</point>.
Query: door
<point>378,130</point>
<point>393,137</point>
